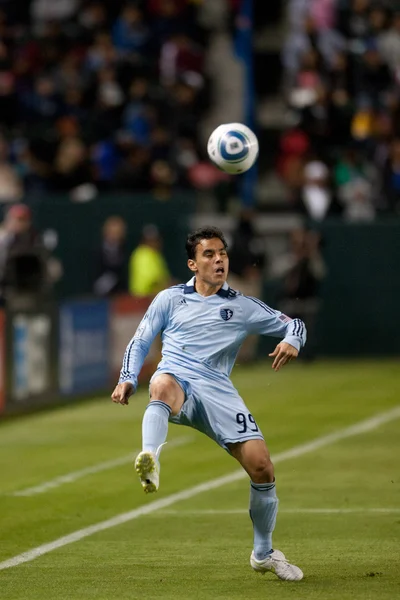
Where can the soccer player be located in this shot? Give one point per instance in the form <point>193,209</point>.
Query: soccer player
<point>203,324</point>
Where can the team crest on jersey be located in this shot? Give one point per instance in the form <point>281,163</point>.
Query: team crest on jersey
<point>226,313</point>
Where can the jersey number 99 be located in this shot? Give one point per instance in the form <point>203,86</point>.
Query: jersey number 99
<point>247,423</point>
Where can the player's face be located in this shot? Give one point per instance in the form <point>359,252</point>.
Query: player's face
<point>211,263</point>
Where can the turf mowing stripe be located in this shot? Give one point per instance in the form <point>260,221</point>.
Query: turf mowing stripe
<point>295,452</point>
<point>98,468</point>
<point>288,511</point>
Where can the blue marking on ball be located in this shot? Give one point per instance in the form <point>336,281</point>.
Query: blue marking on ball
<point>234,146</point>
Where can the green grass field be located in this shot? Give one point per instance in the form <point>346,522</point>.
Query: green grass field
<point>339,519</point>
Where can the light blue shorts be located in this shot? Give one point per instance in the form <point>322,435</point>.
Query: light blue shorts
<point>213,407</point>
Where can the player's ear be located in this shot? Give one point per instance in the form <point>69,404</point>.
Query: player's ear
<point>192,265</point>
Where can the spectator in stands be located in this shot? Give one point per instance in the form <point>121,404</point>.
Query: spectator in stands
<point>68,74</point>
<point>168,18</point>
<point>323,13</point>
<point>23,260</point>
<point>316,193</point>
<point>301,271</point>
<point>350,166</point>
<point>373,78</point>
<point>146,76</point>
<point>340,73</point>
<point>104,158</point>
<point>353,22</point>
<point>246,263</point>
<point>357,199</point>
<point>378,21</point>
<point>92,18</point>
<point>111,259</point>
<point>327,42</point>
<point>294,146</point>
<point>8,96</point>
<point>71,166</point>
<point>101,52</point>
<point>185,109</point>
<point>44,11</point>
<point>43,105</point>
<point>133,174</point>
<point>341,109</point>
<point>308,81</point>
<point>181,57</point>
<point>137,118</point>
<point>391,178</point>
<point>130,33</point>
<point>246,256</point>
<point>110,96</point>
<point>11,188</point>
<point>163,178</point>
<point>389,44</point>
<point>355,179</point>
<point>148,270</point>
<point>343,90</point>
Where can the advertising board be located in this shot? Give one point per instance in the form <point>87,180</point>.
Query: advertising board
<point>84,346</point>
<point>30,357</point>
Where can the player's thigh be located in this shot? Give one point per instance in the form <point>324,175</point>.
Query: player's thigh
<point>223,413</point>
<point>255,458</point>
<point>165,387</point>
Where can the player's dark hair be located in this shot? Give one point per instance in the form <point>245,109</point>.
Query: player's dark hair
<point>204,233</point>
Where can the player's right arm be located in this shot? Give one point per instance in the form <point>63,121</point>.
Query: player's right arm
<point>152,323</point>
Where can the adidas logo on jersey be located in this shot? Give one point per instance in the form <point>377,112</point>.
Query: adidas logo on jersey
<point>183,301</point>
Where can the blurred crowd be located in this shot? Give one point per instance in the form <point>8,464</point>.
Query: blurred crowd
<point>342,86</point>
<point>142,271</point>
<point>105,94</point>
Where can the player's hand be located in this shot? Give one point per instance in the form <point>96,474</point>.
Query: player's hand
<point>283,354</point>
<point>122,392</point>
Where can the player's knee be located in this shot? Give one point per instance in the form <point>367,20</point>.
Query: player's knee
<point>166,389</point>
<point>163,388</point>
<point>262,471</point>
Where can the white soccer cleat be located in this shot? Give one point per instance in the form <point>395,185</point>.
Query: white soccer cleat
<point>276,563</point>
<point>148,469</point>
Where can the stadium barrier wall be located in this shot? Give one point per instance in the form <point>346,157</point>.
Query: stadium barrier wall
<point>360,295</point>
<point>78,226</point>
<point>58,353</point>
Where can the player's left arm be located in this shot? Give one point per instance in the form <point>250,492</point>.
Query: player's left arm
<point>263,319</point>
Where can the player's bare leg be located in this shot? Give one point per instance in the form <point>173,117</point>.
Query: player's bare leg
<point>254,457</point>
<point>166,398</point>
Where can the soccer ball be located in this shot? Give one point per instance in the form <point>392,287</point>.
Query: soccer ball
<point>233,147</point>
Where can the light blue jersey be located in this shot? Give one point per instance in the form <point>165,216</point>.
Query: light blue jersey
<point>201,337</point>
<point>205,333</point>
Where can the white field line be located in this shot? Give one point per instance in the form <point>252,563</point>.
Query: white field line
<point>287,511</point>
<point>296,451</point>
<point>98,468</point>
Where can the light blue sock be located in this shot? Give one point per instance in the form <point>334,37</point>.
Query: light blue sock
<point>155,425</point>
<point>263,510</point>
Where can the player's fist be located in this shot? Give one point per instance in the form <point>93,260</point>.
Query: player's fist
<point>122,392</point>
<point>283,354</point>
